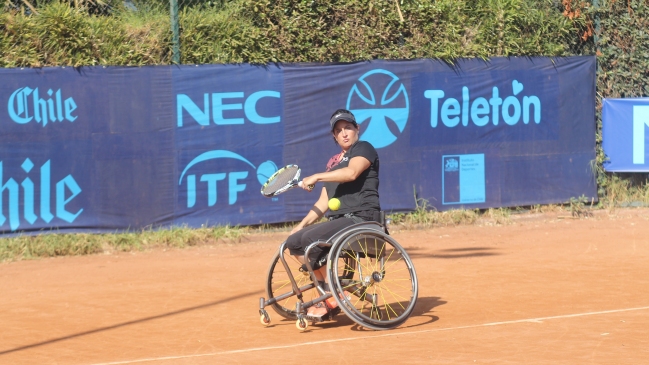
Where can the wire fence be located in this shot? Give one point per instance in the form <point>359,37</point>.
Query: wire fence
<point>174,7</point>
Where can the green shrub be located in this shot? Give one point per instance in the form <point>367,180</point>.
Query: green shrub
<point>351,30</point>
<point>622,48</point>
<point>219,35</point>
<point>262,31</point>
<point>60,35</point>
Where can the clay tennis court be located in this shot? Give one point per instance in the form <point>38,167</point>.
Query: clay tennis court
<point>541,289</point>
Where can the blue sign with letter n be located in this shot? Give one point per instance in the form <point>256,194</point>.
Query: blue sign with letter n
<point>625,134</point>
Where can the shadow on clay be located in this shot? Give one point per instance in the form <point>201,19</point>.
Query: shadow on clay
<point>423,308</point>
<point>452,253</point>
<point>129,323</point>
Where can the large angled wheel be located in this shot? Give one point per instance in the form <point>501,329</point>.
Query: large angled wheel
<point>378,290</point>
<point>278,285</point>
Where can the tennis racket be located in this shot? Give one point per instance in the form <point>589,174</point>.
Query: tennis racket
<point>284,179</point>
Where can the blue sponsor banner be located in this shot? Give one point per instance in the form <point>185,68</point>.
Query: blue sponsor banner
<point>229,137</point>
<point>86,149</point>
<point>625,125</point>
<point>104,149</point>
<point>533,120</point>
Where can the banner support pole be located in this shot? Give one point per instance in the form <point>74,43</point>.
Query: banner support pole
<point>175,30</point>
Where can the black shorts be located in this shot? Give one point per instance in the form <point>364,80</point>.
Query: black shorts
<point>298,241</point>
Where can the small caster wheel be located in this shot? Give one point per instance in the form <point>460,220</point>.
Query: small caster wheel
<point>301,324</point>
<point>265,319</point>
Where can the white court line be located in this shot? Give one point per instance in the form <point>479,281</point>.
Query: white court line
<point>529,320</point>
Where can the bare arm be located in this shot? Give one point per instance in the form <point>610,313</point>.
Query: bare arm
<point>356,167</point>
<point>319,209</point>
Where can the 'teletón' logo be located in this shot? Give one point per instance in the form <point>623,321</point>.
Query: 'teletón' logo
<point>392,109</point>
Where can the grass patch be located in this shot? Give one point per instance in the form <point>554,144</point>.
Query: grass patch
<point>48,245</point>
<point>549,208</point>
<point>423,217</point>
<point>632,190</point>
<point>498,215</point>
<point>75,244</point>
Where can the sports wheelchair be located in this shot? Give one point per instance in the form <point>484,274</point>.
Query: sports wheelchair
<point>369,274</point>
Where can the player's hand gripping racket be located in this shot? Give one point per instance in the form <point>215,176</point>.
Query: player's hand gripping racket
<point>284,179</point>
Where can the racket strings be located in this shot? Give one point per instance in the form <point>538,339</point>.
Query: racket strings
<point>280,180</point>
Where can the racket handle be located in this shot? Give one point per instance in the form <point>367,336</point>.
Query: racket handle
<point>301,184</point>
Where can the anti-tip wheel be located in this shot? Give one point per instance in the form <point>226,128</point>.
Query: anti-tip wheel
<point>265,319</point>
<point>301,324</point>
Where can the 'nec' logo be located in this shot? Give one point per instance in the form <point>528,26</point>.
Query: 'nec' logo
<point>219,105</point>
<point>392,109</point>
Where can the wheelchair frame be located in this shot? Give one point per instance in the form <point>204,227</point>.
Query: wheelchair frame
<point>342,247</point>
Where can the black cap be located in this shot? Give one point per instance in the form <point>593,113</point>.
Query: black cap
<point>342,114</point>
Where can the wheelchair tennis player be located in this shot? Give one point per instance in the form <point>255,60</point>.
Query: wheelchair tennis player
<point>351,187</point>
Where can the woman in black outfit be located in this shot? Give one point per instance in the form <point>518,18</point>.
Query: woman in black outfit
<point>352,176</point>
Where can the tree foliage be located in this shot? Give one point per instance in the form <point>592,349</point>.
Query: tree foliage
<point>137,32</point>
<point>349,30</point>
<point>60,35</point>
<point>620,30</point>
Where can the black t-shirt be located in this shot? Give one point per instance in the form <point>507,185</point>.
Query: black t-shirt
<point>361,194</point>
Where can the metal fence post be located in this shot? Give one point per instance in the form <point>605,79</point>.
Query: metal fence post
<point>598,30</point>
<point>597,25</point>
<point>175,30</point>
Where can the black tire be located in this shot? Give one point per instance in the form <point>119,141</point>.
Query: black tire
<point>380,291</point>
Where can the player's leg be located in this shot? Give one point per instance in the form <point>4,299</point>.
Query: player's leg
<point>297,244</point>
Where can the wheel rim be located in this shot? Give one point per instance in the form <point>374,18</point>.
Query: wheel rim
<point>383,286</point>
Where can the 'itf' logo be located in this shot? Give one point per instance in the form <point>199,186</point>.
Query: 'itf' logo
<point>382,101</point>
<point>232,180</point>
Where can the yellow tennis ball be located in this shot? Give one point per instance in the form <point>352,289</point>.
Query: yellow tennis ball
<point>334,204</point>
